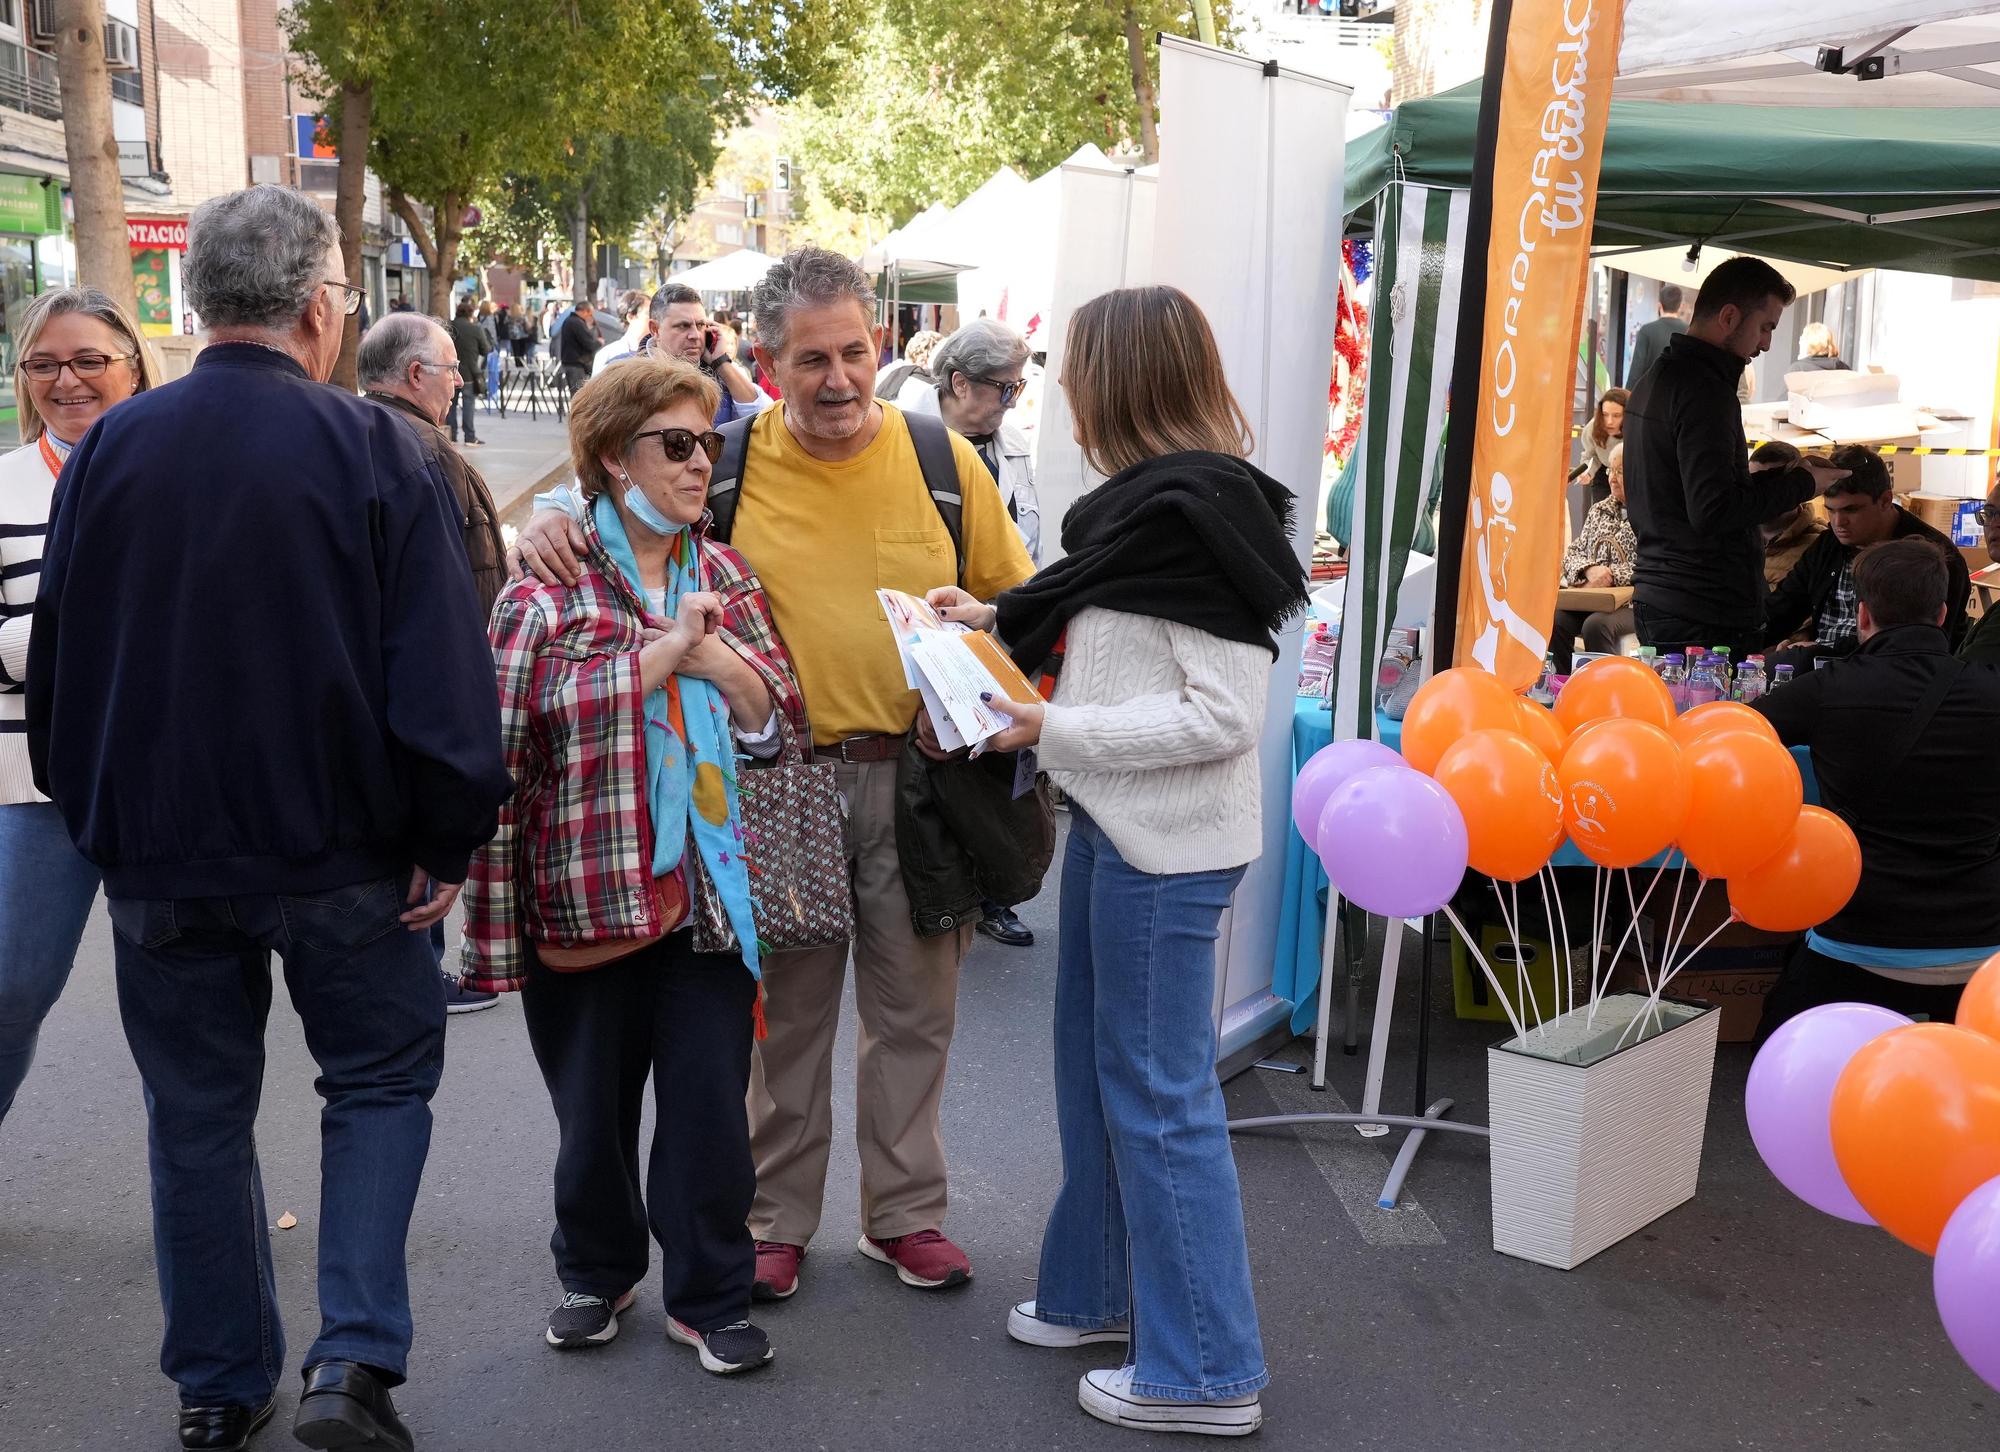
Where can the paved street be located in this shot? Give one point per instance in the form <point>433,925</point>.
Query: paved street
<point>517,454</point>
<point>1743,1320</point>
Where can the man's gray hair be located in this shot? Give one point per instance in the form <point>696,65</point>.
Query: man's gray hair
<point>806,277</point>
<point>256,257</point>
<point>980,349</point>
<point>392,345</point>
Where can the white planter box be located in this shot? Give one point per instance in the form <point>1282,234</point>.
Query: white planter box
<point>1592,1142</point>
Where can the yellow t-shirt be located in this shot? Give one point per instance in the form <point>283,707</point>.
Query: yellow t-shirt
<point>825,537</point>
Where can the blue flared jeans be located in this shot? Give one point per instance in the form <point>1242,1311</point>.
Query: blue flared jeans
<point>1148,1225</point>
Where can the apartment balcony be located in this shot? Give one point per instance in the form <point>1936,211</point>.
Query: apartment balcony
<point>28,81</point>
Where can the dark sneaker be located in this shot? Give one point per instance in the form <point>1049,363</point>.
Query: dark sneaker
<point>222,1429</point>
<point>924,1259</point>
<point>1108,1396</point>
<point>460,999</point>
<point>1024,1326</point>
<point>1000,924</point>
<point>726,1350</point>
<point>583,1320</point>
<point>346,1408</point>
<point>777,1270</point>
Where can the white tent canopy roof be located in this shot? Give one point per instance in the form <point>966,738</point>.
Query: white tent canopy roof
<point>733,272</point>
<point>1669,264</point>
<point>1779,52</point>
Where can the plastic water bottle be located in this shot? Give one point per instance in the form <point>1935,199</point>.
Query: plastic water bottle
<point>1703,685</point>
<point>1651,657</point>
<point>1725,670</point>
<point>1750,685</point>
<point>1673,674</point>
<point>1783,676</point>
<point>1544,689</point>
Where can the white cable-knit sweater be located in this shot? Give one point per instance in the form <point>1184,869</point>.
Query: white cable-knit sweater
<point>1154,730</point>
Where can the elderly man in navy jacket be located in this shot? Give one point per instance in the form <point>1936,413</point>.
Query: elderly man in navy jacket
<point>259,690</point>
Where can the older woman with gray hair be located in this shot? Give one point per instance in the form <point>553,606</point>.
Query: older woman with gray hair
<point>80,355</point>
<point>259,692</point>
<point>979,373</point>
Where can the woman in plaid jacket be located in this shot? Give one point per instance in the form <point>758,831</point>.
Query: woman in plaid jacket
<point>1602,555</point>
<point>629,700</point>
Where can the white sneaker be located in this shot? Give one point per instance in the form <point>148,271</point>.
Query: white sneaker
<point>1025,1327</point>
<point>1108,1396</point>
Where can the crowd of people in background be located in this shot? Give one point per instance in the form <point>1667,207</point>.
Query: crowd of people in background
<point>354,719</point>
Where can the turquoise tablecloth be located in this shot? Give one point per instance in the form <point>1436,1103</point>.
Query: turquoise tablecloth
<point>1302,920</point>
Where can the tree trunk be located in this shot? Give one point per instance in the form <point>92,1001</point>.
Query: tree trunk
<point>1142,87</point>
<point>579,246</point>
<point>103,250</point>
<point>437,261</point>
<point>349,202</point>
<point>447,227</point>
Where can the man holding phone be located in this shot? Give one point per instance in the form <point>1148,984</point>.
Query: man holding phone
<point>681,329</point>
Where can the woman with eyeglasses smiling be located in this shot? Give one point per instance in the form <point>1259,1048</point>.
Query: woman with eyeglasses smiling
<point>80,355</point>
<point>629,701</point>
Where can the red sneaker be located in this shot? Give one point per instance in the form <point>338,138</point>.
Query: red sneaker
<point>923,1258</point>
<point>777,1270</point>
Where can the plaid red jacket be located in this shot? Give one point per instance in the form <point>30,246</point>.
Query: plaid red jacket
<point>572,861</point>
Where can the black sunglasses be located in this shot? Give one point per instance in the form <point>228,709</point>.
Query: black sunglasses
<point>679,444</point>
<point>1009,391</point>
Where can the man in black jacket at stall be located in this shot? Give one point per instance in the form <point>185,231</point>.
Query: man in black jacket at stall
<point>1694,503</point>
<point>1902,736</point>
<point>260,692</point>
<point>1818,592</point>
<point>580,344</point>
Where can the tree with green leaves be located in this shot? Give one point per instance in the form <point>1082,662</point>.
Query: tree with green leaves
<point>934,96</point>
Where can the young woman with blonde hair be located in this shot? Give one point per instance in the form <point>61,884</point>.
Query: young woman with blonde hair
<point>80,354</point>
<point>1178,570</point>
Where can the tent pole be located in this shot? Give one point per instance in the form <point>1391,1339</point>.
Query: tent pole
<point>1204,22</point>
<point>1467,362</point>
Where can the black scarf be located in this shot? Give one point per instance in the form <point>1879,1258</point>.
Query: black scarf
<point>1198,538</point>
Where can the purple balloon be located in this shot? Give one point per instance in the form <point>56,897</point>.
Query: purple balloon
<point>1966,1280</point>
<point>1325,772</point>
<point>1393,841</point>
<point>1789,1099</point>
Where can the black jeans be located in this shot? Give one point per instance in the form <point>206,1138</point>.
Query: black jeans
<point>1812,979</point>
<point>1600,629</point>
<point>194,991</point>
<point>1666,633</point>
<point>685,1018</point>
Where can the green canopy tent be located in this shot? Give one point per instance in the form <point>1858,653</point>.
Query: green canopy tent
<point>1916,189</point>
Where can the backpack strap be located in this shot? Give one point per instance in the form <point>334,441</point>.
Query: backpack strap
<point>725,485</point>
<point>940,468</point>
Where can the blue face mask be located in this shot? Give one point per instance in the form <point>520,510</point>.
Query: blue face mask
<point>647,513</point>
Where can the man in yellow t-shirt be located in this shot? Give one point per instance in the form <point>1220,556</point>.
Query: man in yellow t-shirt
<point>833,506</point>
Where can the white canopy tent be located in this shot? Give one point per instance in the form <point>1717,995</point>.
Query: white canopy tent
<point>735,272</point>
<point>1812,52</point>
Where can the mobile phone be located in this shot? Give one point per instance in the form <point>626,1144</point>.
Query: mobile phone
<point>711,340</point>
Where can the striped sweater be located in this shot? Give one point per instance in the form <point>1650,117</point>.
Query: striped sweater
<point>26,489</point>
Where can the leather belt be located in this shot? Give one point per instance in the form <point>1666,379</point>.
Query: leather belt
<point>873,747</point>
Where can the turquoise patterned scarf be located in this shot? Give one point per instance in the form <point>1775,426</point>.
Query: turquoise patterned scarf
<point>691,781</point>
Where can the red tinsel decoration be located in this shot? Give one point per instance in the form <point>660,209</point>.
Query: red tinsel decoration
<point>1350,348</point>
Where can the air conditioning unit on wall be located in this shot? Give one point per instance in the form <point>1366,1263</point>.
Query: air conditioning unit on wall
<point>121,46</point>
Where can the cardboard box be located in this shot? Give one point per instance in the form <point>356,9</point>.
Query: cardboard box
<point>1735,970</point>
<point>1591,598</point>
<point>1940,511</point>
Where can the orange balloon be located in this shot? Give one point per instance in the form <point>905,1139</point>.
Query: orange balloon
<point>1451,704</point>
<point>1538,723</point>
<point>1979,1006</point>
<point>1744,795</point>
<point>1615,685</point>
<point>1808,879</point>
<point>1916,1126</point>
<point>1625,792</point>
<point>1721,716</point>
<point>1511,800</point>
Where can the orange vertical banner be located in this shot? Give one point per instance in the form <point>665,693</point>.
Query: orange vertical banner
<point>1555,97</point>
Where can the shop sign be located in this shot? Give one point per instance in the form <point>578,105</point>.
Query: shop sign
<point>171,234</point>
<point>152,282</point>
<point>314,140</point>
<point>28,205</point>
<point>1555,97</point>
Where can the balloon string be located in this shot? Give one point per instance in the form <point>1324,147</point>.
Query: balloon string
<point>1597,994</point>
<point>1492,978</point>
<point>1652,1004</point>
<point>1514,936</point>
<point>1567,996</point>
<point>1679,935</point>
<point>1596,932</point>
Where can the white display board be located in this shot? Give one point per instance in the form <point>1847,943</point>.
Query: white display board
<point>1248,223</point>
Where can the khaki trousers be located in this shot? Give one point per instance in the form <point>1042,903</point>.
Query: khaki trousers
<point>906,991</point>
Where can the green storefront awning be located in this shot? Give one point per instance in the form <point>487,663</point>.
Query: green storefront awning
<point>30,204</point>
<point>1916,189</point>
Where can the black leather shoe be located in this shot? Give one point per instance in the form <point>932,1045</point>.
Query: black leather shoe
<point>222,1429</point>
<point>1002,926</point>
<point>346,1408</point>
